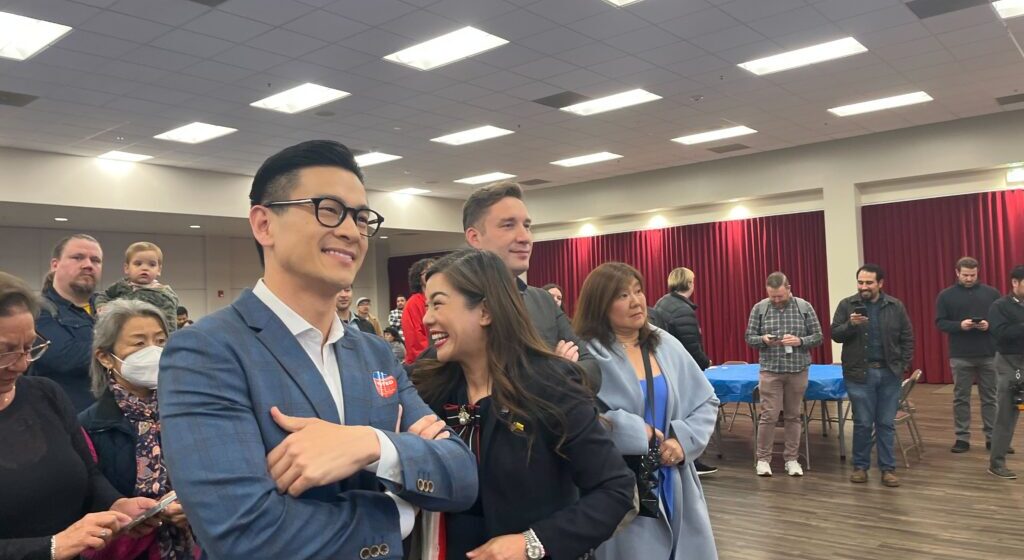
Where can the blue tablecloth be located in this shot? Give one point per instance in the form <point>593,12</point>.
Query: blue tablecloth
<point>736,383</point>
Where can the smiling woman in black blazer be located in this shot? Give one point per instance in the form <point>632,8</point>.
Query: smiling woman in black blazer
<point>552,483</point>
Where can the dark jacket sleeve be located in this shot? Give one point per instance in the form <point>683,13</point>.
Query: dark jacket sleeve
<point>842,329</point>
<point>944,319</point>
<point>66,353</point>
<point>1002,326</point>
<point>101,493</point>
<point>32,548</point>
<point>681,323</point>
<point>906,337</point>
<point>586,361</point>
<point>605,482</point>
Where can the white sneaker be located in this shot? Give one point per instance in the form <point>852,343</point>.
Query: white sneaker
<point>793,468</point>
<point>763,468</point>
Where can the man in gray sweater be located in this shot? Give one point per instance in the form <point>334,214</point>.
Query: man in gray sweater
<point>960,311</point>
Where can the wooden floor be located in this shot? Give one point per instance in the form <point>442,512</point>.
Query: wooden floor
<point>947,508</point>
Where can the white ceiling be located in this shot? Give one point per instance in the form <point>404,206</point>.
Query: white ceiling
<point>135,68</point>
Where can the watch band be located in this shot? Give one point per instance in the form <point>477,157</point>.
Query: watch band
<point>533,544</point>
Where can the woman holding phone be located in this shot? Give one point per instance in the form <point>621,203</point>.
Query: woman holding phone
<point>124,423</point>
<point>54,501</point>
<point>552,483</point>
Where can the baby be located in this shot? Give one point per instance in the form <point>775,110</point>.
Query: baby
<point>143,262</point>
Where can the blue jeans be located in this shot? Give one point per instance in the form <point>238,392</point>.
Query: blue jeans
<point>875,402</point>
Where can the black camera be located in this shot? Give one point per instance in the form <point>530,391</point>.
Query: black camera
<point>645,468</point>
<point>1017,392</point>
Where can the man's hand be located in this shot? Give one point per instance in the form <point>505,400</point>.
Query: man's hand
<point>672,452</point>
<point>430,427</point>
<point>967,325</point>
<point>568,350</point>
<point>982,326</point>
<point>134,507</point>
<point>858,319</point>
<point>771,340</point>
<point>790,340</point>
<point>654,432</point>
<point>505,547</point>
<point>317,452</point>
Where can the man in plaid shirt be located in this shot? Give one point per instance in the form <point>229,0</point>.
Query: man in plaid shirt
<point>395,316</point>
<point>784,328</point>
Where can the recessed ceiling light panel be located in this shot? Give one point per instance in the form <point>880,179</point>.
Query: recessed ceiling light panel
<point>195,133</point>
<point>300,98</point>
<point>814,54</point>
<point>446,49</point>
<point>23,37</point>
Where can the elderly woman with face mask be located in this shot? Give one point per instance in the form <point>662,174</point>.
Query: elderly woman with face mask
<point>124,423</point>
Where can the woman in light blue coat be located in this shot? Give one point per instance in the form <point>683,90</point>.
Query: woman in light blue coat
<point>612,317</point>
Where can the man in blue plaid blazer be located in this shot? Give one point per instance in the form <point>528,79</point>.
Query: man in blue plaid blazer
<point>286,434</point>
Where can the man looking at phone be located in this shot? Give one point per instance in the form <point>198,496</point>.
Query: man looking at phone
<point>960,311</point>
<point>784,328</point>
<point>878,344</point>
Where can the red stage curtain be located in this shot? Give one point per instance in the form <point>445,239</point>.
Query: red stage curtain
<point>730,260</point>
<point>918,242</point>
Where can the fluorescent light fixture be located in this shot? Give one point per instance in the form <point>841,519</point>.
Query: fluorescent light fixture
<point>485,178</point>
<point>1009,8</point>
<point>60,219</point>
<point>472,135</point>
<point>300,98</point>
<point>373,158</point>
<point>657,221</point>
<point>446,49</point>
<point>621,3</point>
<point>584,160</point>
<point>612,102</point>
<point>1015,175</point>
<point>880,104</point>
<point>23,37</point>
<point>712,135</point>
<point>195,133</point>
<point>832,50</point>
<point>412,190</point>
<point>195,226</point>
<point>124,156</point>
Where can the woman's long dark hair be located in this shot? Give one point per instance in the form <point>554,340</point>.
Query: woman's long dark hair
<point>599,291</point>
<point>523,370</point>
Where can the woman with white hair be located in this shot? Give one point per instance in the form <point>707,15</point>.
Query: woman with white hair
<point>124,423</point>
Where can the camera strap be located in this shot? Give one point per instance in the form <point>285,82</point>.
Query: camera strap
<point>649,401</point>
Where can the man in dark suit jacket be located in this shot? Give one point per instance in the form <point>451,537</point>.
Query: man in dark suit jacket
<point>495,219</point>
<point>282,428</point>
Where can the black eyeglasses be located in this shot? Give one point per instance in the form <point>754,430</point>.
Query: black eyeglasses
<point>331,212</point>
<point>8,359</point>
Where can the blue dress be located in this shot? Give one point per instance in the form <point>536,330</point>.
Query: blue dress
<point>660,421</point>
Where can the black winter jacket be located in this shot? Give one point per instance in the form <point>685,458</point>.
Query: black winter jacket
<point>681,316</point>
<point>896,332</point>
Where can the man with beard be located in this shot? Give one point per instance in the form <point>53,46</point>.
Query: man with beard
<point>68,315</point>
<point>878,344</point>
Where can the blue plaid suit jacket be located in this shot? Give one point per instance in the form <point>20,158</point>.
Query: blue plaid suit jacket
<point>218,381</point>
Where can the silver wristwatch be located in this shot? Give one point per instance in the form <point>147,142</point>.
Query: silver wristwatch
<point>534,549</point>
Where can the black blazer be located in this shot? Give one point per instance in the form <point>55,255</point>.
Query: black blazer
<point>573,503</point>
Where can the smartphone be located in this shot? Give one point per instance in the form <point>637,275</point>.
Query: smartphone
<point>149,513</point>
<point>977,319</point>
<point>772,336</point>
<point>860,310</point>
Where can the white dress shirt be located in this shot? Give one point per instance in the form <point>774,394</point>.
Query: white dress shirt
<point>325,359</point>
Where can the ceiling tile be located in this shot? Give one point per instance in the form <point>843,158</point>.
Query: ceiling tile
<point>556,40</point>
<point>700,23</point>
<point>619,67</point>
<point>471,12</point>
<point>377,42</point>
<point>877,20</point>
<point>516,25</point>
<point>125,27</point>
<point>195,44</point>
<point>94,43</point>
<point>608,24</point>
<point>543,68</point>
<point>338,57</point>
<point>57,11</point>
<point>218,71</point>
<point>751,10</point>
<point>250,58</point>
<point>727,38</point>
<point>160,58</point>
<point>371,13</point>
<point>287,43</point>
<point>642,40</point>
<point>325,26</point>
<point>227,26</point>
<point>273,12</point>
<point>789,22</point>
<point>420,26</point>
<point>568,11</point>
<point>162,11</point>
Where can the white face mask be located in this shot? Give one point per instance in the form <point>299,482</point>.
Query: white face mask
<point>142,368</point>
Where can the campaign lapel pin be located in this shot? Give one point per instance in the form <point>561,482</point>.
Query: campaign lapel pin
<point>385,384</point>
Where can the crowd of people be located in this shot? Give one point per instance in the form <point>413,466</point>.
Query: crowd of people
<point>478,421</point>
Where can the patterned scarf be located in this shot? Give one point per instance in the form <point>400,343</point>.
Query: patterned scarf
<point>151,479</point>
